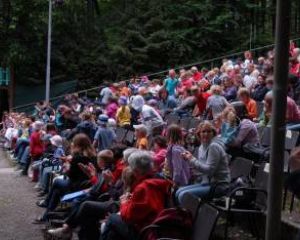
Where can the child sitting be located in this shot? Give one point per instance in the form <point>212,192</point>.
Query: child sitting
<point>141,136</point>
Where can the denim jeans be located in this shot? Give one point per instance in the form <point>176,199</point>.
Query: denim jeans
<point>59,188</point>
<point>45,174</point>
<point>87,214</point>
<point>199,190</point>
<point>21,145</point>
<point>116,228</point>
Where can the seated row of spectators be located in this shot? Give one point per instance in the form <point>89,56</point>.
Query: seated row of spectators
<point>76,148</point>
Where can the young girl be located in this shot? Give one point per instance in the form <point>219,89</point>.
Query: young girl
<point>177,168</point>
<point>160,152</point>
<point>229,127</point>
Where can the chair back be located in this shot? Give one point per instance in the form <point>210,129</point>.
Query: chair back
<point>261,182</point>
<point>205,222</point>
<point>291,138</point>
<point>240,167</point>
<point>266,137</point>
<point>172,119</point>
<point>191,203</point>
<point>121,133</point>
<point>185,122</point>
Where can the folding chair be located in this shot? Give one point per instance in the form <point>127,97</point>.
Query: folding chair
<point>129,138</point>
<point>205,222</point>
<point>185,122</point>
<point>194,122</point>
<point>121,134</point>
<point>191,203</point>
<point>172,119</point>
<point>256,206</point>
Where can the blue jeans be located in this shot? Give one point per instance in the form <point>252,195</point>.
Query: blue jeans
<point>59,188</point>
<point>199,190</point>
<point>25,156</point>
<point>21,144</point>
<point>45,174</point>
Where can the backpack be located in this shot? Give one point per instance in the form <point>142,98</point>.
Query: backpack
<point>174,223</point>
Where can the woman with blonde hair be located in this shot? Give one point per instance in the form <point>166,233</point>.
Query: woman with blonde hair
<point>210,167</point>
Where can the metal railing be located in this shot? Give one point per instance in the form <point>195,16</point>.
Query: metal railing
<point>209,62</point>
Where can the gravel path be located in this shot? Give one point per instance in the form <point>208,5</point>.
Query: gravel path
<point>17,205</point>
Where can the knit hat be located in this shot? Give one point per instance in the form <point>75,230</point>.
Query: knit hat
<point>56,140</point>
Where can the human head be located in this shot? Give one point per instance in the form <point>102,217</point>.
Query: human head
<point>81,144</point>
<point>163,93</point>
<point>137,103</point>
<point>244,95</point>
<point>229,115</point>
<point>174,134</point>
<point>247,55</point>
<point>128,178</point>
<point>123,101</point>
<point>127,153</point>
<point>86,116</point>
<point>261,79</point>
<point>216,89</point>
<point>102,120</point>
<point>37,125</point>
<point>141,163</point>
<point>105,159</point>
<point>56,141</point>
<point>194,69</point>
<point>50,127</point>
<point>172,73</point>
<point>269,83</point>
<point>206,132</point>
<point>140,130</point>
<point>268,102</point>
<point>159,142</point>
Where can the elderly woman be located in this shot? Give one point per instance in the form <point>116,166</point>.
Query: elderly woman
<point>210,167</point>
<point>142,204</point>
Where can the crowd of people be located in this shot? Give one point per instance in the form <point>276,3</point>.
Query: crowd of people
<point>76,146</point>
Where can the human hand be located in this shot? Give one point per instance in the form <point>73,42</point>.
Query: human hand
<point>89,169</point>
<point>107,175</point>
<point>187,155</point>
<point>66,158</point>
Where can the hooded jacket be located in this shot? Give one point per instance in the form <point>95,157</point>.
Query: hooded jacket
<point>148,200</point>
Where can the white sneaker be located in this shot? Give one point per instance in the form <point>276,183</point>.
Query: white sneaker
<point>37,186</point>
<point>61,233</point>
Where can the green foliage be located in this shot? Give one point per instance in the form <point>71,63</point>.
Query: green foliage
<point>95,40</point>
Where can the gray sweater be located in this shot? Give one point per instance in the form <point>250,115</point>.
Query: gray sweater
<point>212,162</point>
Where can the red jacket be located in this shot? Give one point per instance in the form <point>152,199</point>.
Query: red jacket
<point>148,200</point>
<point>36,144</point>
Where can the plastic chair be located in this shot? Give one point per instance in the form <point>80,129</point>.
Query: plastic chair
<point>185,122</point>
<point>257,205</point>
<point>121,134</point>
<point>205,222</point>
<point>191,203</point>
<point>240,167</point>
<point>172,119</point>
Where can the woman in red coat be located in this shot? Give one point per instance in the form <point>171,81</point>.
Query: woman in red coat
<point>141,206</point>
